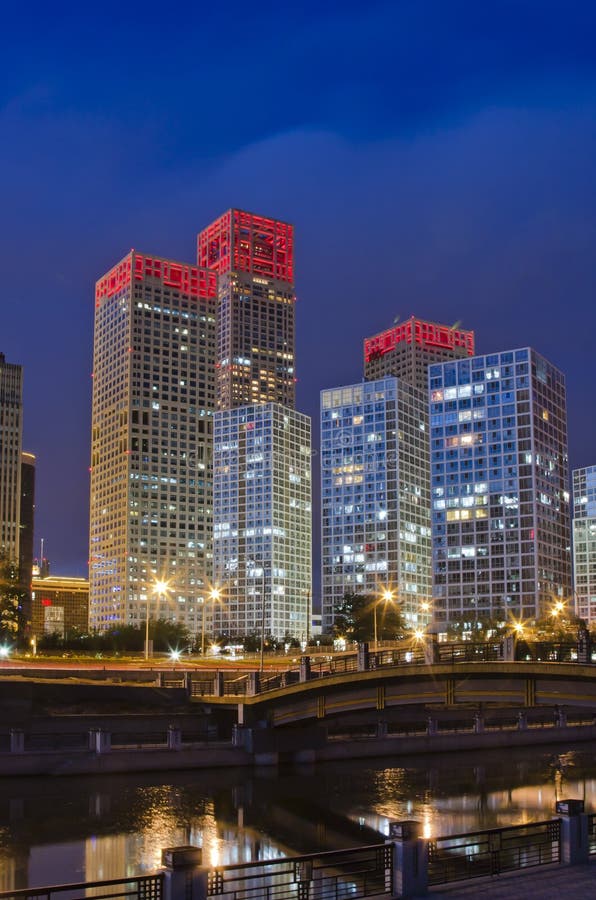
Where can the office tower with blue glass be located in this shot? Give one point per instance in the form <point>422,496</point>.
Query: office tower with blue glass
<point>584,542</point>
<point>262,522</point>
<point>375,505</point>
<point>499,488</point>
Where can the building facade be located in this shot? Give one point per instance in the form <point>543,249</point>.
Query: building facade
<point>584,542</point>
<point>60,605</point>
<point>27,518</point>
<point>407,350</point>
<point>375,506</point>
<point>151,483</point>
<point>11,435</point>
<point>253,257</point>
<point>262,522</point>
<point>499,469</point>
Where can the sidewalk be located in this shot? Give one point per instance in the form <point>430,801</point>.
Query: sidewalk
<point>541,883</point>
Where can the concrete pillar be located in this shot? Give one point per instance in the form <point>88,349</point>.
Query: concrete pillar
<point>218,684</point>
<point>17,740</point>
<point>100,741</point>
<point>522,721</point>
<point>174,737</point>
<point>410,859</point>
<point>560,718</point>
<point>304,668</point>
<point>238,735</point>
<point>382,728</point>
<point>363,657</point>
<point>185,876</point>
<point>508,649</point>
<point>584,646</point>
<point>431,649</point>
<point>478,723</point>
<point>432,726</point>
<point>188,683</point>
<point>575,846</point>
<point>253,685</point>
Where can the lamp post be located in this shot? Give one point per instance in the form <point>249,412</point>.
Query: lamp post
<point>159,588</point>
<point>386,596</point>
<point>214,594</point>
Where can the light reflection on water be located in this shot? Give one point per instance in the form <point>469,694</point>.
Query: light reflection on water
<point>61,830</point>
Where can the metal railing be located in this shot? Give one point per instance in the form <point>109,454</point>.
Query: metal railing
<point>592,833</point>
<point>143,887</point>
<point>462,856</point>
<point>358,872</point>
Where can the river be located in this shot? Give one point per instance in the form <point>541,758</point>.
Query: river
<point>58,830</point>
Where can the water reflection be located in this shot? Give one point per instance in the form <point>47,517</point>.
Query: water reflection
<point>60,830</point>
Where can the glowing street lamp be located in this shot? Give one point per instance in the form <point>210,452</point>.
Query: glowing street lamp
<point>215,596</point>
<point>385,597</point>
<point>160,588</point>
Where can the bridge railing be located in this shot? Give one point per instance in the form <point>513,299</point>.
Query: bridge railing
<point>142,887</point>
<point>357,872</point>
<point>463,856</point>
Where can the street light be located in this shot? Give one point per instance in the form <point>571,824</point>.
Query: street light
<point>160,588</point>
<point>214,594</point>
<point>386,596</point>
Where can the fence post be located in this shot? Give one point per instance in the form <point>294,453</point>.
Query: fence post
<point>184,873</point>
<point>253,684</point>
<point>304,668</point>
<point>410,859</point>
<point>575,847</point>
<point>478,723</point>
<point>508,649</point>
<point>560,718</point>
<point>218,684</point>
<point>17,740</point>
<point>432,726</point>
<point>363,657</point>
<point>522,721</point>
<point>174,737</point>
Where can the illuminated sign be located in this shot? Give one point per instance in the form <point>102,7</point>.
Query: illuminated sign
<point>427,334</point>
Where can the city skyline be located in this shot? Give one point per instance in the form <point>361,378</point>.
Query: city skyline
<point>455,192</point>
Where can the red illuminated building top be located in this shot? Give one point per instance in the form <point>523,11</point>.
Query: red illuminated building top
<point>415,331</point>
<point>242,242</point>
<point>191,280</point>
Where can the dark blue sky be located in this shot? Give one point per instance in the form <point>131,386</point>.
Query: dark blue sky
<point>436,157</point>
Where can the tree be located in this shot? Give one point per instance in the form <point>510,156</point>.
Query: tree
<point>13,597</point>
<point>354,618</point>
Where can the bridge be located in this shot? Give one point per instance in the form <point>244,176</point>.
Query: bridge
<point>446,675</point>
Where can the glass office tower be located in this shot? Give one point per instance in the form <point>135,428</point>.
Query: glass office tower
<point>375,507</point>
<point>499,470</point>
<point>262,522</point>
<point>584,542</point>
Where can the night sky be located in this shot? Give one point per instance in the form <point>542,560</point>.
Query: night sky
<point>437,158</point>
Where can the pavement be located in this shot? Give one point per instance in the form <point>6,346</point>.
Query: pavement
<point>543,883</point>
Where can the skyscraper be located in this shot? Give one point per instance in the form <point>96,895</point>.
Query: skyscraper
<point>151,483</point>
<point>262,521</point>
<point>501,532</point>
<point>584,542</point>
<point>375,505</point>
<point>253,257</point>
<point>407,350</point>
<point>11,431</point>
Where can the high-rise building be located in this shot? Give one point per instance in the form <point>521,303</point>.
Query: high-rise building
<point>153,399</point>
<point>501,532</point>
<point>262,521</point>
<point>375,506</point>
<point>584,542</point>
<point>406,350</point>
<point>11,433</point>
<point>27,517</point>
<point>253,257</point>
<point>60,604</point>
